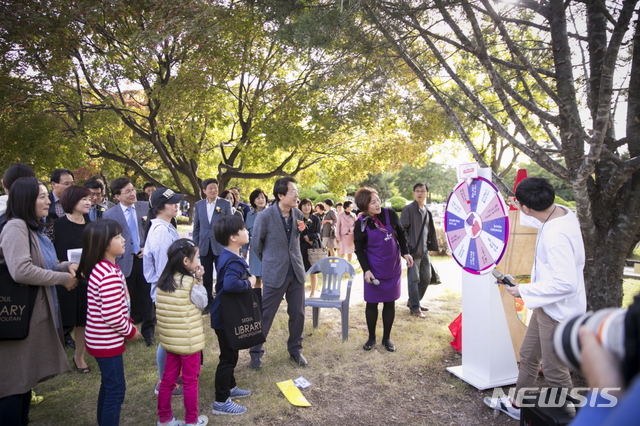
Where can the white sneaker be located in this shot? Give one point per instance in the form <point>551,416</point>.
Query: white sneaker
<point>173,422</point>
<point>503,404</point>
<point>202,421</point>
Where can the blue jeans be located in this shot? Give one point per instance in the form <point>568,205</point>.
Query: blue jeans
<point>112,390</point>
<point>418,279</point>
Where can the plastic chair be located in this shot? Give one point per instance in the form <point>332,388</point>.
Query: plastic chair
<point>333,269</point>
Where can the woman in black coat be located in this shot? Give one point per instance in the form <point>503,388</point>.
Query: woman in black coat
<point>310,237</point>
<point>76,202</point>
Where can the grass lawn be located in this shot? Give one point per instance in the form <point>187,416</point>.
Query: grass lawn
<point>350,386</point>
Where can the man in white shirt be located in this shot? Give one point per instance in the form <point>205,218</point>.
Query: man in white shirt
<point>132,216</point>
<point>206,213</point>
<point>556,292</point>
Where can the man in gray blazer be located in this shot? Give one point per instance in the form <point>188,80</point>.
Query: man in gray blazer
<point>207,212</point>
<point>132,216</point>
<point>276,242</point>
<point>417,222</point>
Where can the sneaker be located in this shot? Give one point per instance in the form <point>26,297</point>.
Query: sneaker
<point>202,421</point>
<point>239,393</point>
<point>172,422</point>
<point>177,391</point>
<point>228,407</point>
<point>503,404</point>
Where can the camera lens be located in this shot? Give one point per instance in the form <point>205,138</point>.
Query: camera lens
<point>608,324</point>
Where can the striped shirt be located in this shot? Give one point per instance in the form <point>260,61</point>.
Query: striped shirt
<point>108,322</point>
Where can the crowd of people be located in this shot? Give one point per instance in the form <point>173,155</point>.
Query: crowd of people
<point>136,278</point>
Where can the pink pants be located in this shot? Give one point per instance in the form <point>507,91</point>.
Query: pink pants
<point>190,365</point>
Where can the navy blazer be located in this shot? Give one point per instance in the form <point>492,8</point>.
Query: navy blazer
<point>269,240</point>
<point>203,229</point>
<point>125,261</point>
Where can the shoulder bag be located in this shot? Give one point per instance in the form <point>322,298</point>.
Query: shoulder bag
<point>16,304</point>
<point>242,313</point>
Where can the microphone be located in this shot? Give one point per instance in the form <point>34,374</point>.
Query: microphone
<point>503,279</point>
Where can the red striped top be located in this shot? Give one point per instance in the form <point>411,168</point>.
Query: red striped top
<point>108,321</point>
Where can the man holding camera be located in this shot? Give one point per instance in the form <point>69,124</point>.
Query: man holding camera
<point>556,291</point>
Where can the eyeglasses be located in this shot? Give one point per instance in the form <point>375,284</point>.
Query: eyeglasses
<point>293,192</point>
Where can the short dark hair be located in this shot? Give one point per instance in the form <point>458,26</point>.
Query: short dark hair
<point>536,193</point>
<point>14,172</point>
<point>176,253</point>
<point>96,237</point>
<point>419,184</point>
<point>363,198</point>
<point>71,196</point>
<point>339,204</point>
<point>149,185</point>
<point>57,174</point>
<point>305,201</point>
<point>227,226</point>
<point>347,204</point>
<point>118,184</point>
<point>94,183</point>
<point>328,201</point>
<point>206,182</point>
<point>320,206</point>
<point>281,187</point>
<point>22,202</point>
<point>254,196</point>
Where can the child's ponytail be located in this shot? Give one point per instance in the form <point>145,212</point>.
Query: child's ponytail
<point>176,254</point>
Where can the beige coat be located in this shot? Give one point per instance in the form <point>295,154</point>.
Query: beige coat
<point>41,355</point>
<point>180,327</point>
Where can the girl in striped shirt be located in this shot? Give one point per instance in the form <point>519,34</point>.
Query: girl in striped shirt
<point>108,320</point>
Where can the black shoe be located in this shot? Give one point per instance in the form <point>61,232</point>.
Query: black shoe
<point>256,363</point>
<point>369,345</point>
<point>299,359</point>
<point>71,343</point>
<point>149,341</point>
<point>389,346</point>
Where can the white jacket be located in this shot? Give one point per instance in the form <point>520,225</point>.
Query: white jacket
<point>557,277</point>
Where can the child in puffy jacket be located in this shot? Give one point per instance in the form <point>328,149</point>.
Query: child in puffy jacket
<point>180,331</point>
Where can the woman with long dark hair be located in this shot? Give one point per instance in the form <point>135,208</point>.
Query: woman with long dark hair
<point>31,259</point>
<point>380,243</point>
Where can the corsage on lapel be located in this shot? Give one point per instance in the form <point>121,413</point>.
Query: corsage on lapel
<point>301,226</point>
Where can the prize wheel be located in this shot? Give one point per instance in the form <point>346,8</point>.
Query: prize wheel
<point>476,224</point>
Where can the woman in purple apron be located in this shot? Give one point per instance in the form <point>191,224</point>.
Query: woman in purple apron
<point>380,241</point>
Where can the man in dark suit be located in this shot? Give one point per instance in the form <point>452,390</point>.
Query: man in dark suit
<point>132,216</point>
<point>417,222</point>
<point>276,241</point>
<point>207,212</point>
<point>244,208</point>
<point>61,179</point>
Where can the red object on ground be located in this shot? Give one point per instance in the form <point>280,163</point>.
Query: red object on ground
<point>456,331</point>
<point>520,174</point>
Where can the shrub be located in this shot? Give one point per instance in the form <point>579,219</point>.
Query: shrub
<point>311,194</point>
<point>398,203</point>
<point>182,220</point>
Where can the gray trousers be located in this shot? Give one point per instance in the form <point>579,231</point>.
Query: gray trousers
<point>418,279</point>
<point>538,346</point>
<point>293,291</point>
